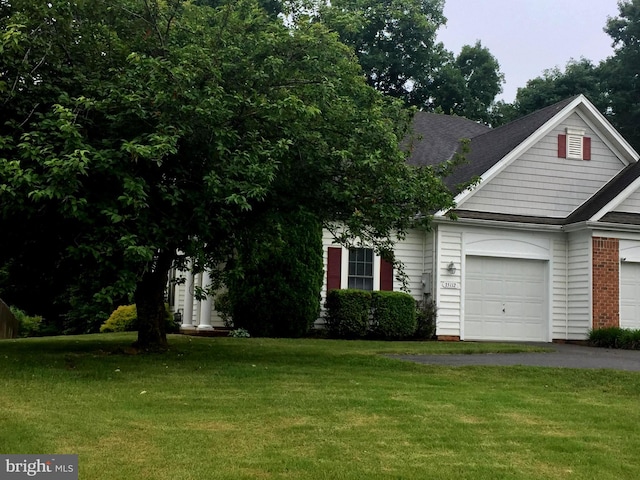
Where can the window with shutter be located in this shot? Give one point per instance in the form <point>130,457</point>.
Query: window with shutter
<point>574,145</point>
<point>361,268</point>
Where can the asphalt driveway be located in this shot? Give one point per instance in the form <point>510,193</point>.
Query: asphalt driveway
<point>564,356</point>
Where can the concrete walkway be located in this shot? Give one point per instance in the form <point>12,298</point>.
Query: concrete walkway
<point>564,356</point>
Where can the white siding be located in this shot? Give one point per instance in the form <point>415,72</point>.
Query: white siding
<point>541,184</point>
<point>448,300</point>
<point>631,204</point>
<point>411,253</point>
<point>559,289</point>
<point>579,291</point>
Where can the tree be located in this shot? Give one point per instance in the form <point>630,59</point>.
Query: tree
<point>621,71</point>
<point>157,130</point>
<point>554,85</point>
<point>467,85</point>
<point>395,41</point>
<point>276,275</point>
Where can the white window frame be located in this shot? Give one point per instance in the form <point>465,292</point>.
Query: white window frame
<point>344,275</point>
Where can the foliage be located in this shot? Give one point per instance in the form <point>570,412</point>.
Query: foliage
<point>615,337</point>
<point>31,325</point>
<point>578,77</point>
<point>621,71</point>
<point>348,313</point>
<point>393,315</point>
<point>125,319</point>
<point>147,128</point>
<point>467,85</point>
<point>222,304</point>
<point>395,41</point>
<point>426,314</point>
<point>276,276</point>
<point>239,333</point>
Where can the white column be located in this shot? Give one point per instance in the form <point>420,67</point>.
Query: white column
<point>207,304</point>
<point>187,316</point>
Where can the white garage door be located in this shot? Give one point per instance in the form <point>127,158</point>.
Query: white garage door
<point>630,295</point>
<point>505,299</point>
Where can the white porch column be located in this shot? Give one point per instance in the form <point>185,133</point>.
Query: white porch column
<point>187,316</point>
<point>206,305</point>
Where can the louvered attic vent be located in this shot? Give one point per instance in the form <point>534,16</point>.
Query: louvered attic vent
<point>574,144</point>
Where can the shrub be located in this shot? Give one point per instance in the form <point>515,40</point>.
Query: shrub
<point>222,304</point>
<point>239,333</point>
<point>29,325</point>
<point>125,319</point>
<point>348,313</point>
<point>276,277</point>
<point>426,313</point>
<point>615,337</point>
<point>393,315</point>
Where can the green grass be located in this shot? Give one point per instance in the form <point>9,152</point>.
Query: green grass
<point>311,409</point>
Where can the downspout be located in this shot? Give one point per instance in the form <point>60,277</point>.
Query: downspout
<point>566,288</point>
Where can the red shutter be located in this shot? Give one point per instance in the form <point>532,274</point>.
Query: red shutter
<point>562,146</point>
<point>586,148</point>
<point>334,268</point>
<point>386,275</point>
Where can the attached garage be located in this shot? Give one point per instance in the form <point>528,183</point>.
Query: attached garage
<point>630,295</point>
<point>505,299</point>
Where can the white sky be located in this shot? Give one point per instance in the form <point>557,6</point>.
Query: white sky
<point>529,36</point>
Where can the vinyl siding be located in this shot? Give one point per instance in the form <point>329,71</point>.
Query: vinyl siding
<point>631,204</point>
<point>411,253</point>
<point>541,184</point>
<point>559,289</point>
<point>579,291</point>
<point>448,299</point>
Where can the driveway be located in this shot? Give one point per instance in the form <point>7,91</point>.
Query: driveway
<point>564,356</point>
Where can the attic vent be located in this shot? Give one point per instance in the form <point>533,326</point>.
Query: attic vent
<point>574,145</point>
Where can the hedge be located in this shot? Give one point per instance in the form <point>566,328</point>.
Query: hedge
<point>348,313</point>
<point>393,315</point>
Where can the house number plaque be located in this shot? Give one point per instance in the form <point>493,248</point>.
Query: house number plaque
<point>454,285</point>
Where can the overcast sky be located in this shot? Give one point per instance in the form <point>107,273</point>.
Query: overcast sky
<point>529,36</point>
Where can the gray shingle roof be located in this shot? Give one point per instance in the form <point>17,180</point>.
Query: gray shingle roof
<point>437,137</point>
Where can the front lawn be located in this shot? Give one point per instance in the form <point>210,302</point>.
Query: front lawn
<point>225,408</point>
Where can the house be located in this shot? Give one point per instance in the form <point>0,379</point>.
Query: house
<point>545,247</point>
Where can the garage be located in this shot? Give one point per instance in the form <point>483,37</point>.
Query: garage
<point>630,295</point>
<point>505,299</point>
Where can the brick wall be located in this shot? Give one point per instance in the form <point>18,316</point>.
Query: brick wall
<point>606,283</point>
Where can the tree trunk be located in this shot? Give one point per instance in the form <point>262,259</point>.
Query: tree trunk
<point>149,297</point>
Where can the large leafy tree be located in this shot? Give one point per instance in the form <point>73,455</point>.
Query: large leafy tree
<point>621,72</point>
<point>395,41</point>
<point>467,85</point>
<point>578,77</point>
<point>158,130</point>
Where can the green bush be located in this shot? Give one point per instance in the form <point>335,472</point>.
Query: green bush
<point>393,315</point>
<point>222,304</point>
<point>348,313</point>
<point>276,276</point>
<point>125,319</point>
<point>29,325</point>
<point>615,337</point>
<point>426,311</point>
